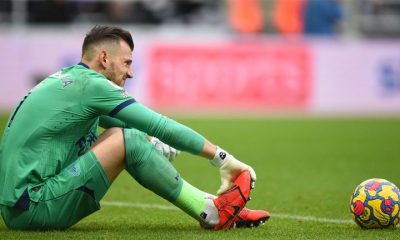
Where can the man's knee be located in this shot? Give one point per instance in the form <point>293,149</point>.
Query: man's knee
<point>137,146</point>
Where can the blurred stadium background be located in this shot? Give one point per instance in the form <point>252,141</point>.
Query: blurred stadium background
<point>270,68</point>
<point>308,57</point>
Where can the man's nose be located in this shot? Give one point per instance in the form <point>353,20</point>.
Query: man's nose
<point>129,73</point>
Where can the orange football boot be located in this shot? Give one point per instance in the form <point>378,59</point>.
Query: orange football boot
<point>231,202</point>
<point>248,218</point>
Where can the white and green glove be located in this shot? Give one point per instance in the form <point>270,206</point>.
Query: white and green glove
<point>229,169</point>
<point>169,152</point>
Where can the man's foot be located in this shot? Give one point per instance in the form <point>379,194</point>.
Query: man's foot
<point>248,218</point>
<point>232,201</point>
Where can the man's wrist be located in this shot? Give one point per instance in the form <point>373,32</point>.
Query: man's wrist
<point>220,157</point>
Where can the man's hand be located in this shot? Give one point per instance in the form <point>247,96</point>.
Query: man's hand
<point>229,169</point>
<point>169,152</point>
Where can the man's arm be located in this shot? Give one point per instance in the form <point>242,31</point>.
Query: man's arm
<point>104,98</point>
<point>167,130</point>
<point>183,138</point>
<point>169,152</point>
<point>109,122</point>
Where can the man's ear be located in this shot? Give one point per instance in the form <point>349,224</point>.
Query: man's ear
<point>103,58</point>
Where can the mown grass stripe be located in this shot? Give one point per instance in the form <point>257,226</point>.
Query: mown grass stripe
<point>274,215</point>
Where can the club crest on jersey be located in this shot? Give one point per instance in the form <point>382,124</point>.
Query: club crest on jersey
<point>74,170</point>
<point>124,93</point>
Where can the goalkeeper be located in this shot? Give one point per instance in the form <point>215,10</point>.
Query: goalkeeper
<point>55,168</point>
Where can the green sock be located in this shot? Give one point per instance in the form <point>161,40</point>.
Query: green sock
<point>195,202</point>
<point>153,171</point>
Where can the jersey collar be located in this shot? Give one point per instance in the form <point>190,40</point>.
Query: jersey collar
<point>84,65</point>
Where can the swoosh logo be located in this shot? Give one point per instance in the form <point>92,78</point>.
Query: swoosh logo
<point>236,210</point>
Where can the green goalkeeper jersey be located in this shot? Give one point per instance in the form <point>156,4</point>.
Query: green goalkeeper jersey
<point>57,121</point>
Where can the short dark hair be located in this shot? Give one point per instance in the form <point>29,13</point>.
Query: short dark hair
<point>101,33</point>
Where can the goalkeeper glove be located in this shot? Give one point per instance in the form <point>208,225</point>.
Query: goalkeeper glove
<point>229,169</point>
<point>169,152</point>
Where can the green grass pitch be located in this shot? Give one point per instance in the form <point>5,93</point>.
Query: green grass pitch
<point>306,172</point>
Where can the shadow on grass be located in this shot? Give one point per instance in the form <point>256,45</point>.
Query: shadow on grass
<point>148,227</point>
<point>119,227</point>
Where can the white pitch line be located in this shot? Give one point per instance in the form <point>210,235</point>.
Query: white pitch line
<point>311,218</point>
<point>274,215</point>
<point>138,205</point>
